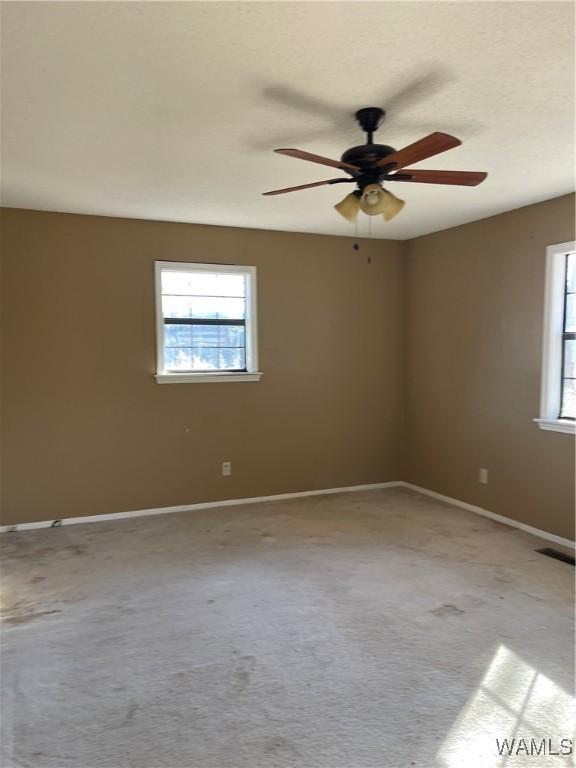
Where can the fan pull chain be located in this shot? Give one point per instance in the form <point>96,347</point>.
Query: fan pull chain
<point>356,246</point>
<point>370,235</point>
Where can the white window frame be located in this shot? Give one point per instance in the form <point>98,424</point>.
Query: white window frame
<point>189,377</point>
<point>550,394</point>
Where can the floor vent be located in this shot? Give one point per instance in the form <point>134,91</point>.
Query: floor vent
<point>557,555</point>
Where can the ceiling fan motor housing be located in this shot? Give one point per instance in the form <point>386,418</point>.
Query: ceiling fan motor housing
<point>365,158</point>
<point>366,155</point>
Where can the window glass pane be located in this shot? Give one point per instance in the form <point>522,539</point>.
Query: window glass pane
<point>232,336</point>
<point>190,359</point>
<point>178,359</point>
<point>568,399</point>
<point>570,359</point>
<point>178,335</point>
<point>218,336</point>
<point>204,358</point>
<point>231,359</point>
<point>203,284</point>
<point>203,307</point>
<point>571,272</point>
<point>570,318</point>
<point>204,335</point>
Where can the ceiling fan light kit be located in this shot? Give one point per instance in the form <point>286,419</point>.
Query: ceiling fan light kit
<point>375,200</point>
<point>370,165</point>
<point>349,207</point>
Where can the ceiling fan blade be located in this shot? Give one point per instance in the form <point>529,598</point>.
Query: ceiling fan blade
<point>462,178</point>
<point>417,88</point>
<point>298,153</point>
<point>408,91</point>
<point>429,146</point>
<point>306,186</point>
<point>288,96</point>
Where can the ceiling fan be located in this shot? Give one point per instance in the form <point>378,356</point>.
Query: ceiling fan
<point>370,165</point>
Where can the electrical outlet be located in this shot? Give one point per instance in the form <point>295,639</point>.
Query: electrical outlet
<point>483,476</point>
<point>226,468</point>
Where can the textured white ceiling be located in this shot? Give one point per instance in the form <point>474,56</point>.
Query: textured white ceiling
<point>170,110</point>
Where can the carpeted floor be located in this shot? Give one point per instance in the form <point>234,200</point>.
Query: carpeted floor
<point>376,629</point>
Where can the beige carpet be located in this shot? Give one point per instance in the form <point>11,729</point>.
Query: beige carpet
<point>349,631</point>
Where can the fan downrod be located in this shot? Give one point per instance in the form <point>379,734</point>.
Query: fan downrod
<point>370,119</point>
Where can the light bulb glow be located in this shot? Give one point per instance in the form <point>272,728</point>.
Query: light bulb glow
<point>376,200</point>
<point>372,198</point>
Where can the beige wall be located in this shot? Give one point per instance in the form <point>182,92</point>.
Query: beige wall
<point>86,428</point>
<point>474,330</point>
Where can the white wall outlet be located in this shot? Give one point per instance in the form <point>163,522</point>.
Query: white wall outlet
<point>483,476</point>
<point>226,468</point>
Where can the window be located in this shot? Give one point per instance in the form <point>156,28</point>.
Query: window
<point>568,388</point>
<point>206,322</point>
<point>558,398</point>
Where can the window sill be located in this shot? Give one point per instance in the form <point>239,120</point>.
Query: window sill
<point>557,425</point>
<point>205,378</point>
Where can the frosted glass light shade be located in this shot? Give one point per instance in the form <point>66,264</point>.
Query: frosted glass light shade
<point>375,200</point>
<point>349,207</point>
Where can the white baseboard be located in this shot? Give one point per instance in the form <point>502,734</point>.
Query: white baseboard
<point>296,495</point>
<point>192,507</point>
<point>493,516</point>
